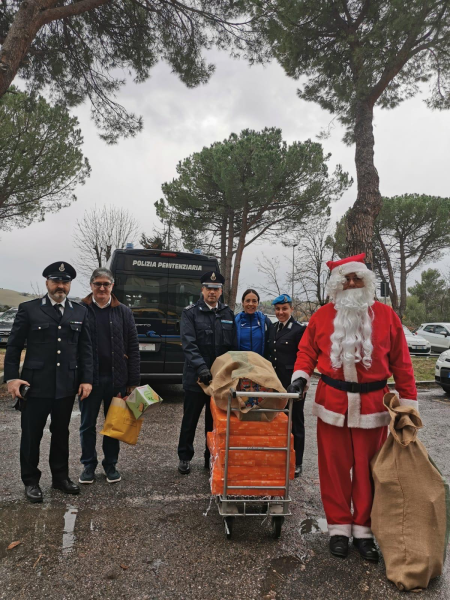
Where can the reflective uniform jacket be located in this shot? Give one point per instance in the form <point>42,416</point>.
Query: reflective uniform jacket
<point>205,335</point>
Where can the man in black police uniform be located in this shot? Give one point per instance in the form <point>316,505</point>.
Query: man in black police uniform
<point>283,344</point>
<point>207,331</point>
<point>58,358</point>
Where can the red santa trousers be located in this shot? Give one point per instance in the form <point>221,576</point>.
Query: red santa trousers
<point>345,478</point>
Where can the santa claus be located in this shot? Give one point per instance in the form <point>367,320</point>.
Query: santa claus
<point>356,344</point>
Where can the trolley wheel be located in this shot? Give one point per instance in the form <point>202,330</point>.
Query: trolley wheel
<point>277,523</point>
<point>228,522</point>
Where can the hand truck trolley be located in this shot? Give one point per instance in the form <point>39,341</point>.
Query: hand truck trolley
<point>276,508</point>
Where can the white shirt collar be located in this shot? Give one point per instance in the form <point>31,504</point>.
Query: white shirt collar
<point>211,307</point>
<point>105,305</point>
<point>63,303</point>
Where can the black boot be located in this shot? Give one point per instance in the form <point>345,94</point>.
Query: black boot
<point>367,548</point>
<point>339,545</point>
<point>66,485</point>
<point>33,493</point>
<point>184,467</point>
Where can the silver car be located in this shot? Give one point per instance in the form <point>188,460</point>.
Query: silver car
<point>6,323</point>
<point>438,334</point>
<point>442,371</point>
<point>416,343</point>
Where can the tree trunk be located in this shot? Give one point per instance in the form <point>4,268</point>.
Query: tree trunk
<point>223,243</point>
<point>361,217</point>
<point>238,259</point>
<point>229,255</point>
<point>402,308</point>
<point>17,43</point>
<point>393,294</point>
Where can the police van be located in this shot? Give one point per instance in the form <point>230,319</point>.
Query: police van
<point>157,285</point>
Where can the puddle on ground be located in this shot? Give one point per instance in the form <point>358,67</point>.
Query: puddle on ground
<point>312,525</point>
<point>68,539</point>
<point>42,528</point>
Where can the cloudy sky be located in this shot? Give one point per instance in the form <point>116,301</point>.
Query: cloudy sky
<point>411,154</point>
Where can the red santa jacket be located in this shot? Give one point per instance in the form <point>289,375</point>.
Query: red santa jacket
<point>390,356</point>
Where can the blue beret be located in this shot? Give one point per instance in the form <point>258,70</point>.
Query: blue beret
<point>283,299</point>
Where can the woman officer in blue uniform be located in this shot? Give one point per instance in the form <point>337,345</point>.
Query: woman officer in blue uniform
<point>252,326</point>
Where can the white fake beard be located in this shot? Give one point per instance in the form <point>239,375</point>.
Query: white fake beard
<point>351,339</point>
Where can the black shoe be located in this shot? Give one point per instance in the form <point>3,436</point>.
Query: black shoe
<point>66,485</point>
<point>87,476</point>
<point>339,545</point>
<point>33,493</point>
<point>298,470</point>
<point>112,475</point>
<point>184,467</point>
<point>366,547</point>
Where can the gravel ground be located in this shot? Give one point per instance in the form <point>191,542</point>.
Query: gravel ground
<point>156,535</point>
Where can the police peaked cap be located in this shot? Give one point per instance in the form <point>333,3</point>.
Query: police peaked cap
<point>213,279</point>
<point>283,299</point>
<point>61,271</point>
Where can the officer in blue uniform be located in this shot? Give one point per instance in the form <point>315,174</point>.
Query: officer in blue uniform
<point>283,344</point>
<point>207,331</point>
<point>57,365</point>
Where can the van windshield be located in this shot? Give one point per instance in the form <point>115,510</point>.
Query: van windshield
<point>182,292</point>
<point>150,294</point>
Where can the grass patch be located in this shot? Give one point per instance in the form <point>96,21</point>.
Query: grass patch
<point>423,368</point>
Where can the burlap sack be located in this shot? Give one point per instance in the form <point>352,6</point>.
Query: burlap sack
<point>410,514</point>
<point>232,366</point>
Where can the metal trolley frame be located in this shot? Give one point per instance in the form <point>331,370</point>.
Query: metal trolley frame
<point>275,508</point>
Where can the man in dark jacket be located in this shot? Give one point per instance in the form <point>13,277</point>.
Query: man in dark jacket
<point>116,370</point>
<point>283,343</point>
<point>58,364</point>
<point>207,331</point>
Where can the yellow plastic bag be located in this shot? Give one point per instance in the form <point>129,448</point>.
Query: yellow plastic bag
<point>120,423</point>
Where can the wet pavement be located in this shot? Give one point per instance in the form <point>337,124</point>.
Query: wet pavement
<point>157,535</point>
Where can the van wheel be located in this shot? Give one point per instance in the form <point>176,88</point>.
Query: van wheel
<point>446,389</point>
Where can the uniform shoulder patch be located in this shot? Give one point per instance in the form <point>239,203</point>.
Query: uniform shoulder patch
<point>189,306</point>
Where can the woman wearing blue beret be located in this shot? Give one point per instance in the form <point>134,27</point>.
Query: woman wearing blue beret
<point>252,326</point>
<point>283,344</point>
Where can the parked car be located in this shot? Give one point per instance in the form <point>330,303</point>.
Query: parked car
<point>442,371</point>
<point>438,334</point>
<point>416,343</point>
<point>6,323</point>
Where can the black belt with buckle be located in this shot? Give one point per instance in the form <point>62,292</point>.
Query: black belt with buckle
<point>353,386</point>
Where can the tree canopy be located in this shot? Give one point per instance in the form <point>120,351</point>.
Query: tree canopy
<point>410,231</point>
<point>249,186</point>
<point>41,162</point>
<point>356,54</point>
<point>99,232</point>
<point>432,292</point>
<point>81,49</point>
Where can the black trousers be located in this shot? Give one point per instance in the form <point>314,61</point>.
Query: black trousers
<point>33,419</point>
<point>298,429</point>
<point>192,409</point>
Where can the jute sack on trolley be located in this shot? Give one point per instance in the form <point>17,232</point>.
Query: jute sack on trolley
<point>411,509</point>
<point>230,369</point>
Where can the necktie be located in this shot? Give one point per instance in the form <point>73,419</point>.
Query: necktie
<point>58,307</point>
<point>280,326</point>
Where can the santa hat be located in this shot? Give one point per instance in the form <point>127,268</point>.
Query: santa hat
<point>352,264</point>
